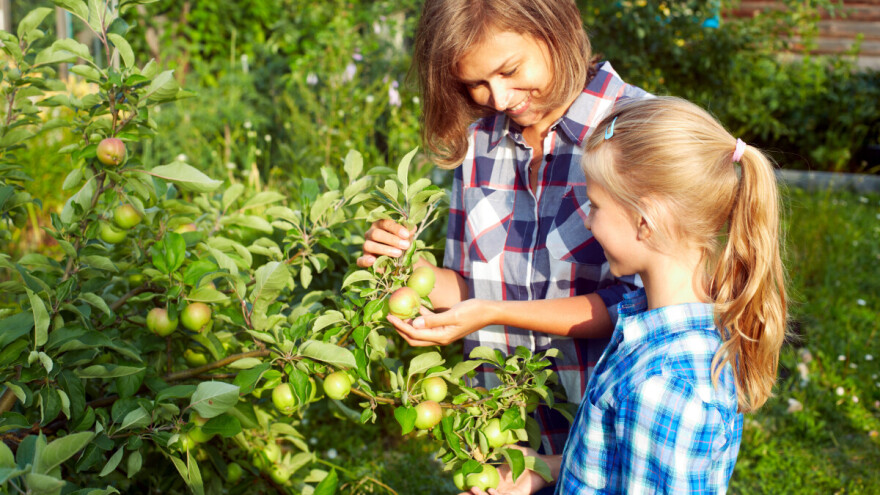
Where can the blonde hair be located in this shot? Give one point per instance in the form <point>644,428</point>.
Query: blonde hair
<point>448,28</point>
<point>671,163</point>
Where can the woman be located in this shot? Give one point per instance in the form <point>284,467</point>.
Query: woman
<point>509,95</point>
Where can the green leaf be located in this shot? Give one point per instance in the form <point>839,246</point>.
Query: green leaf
<point>269,281</point>
<point>331,317</point>
<point>114,461</point>
<point>246,380</point>
<point>13,327</point>
<point>463,368</point>
<point>224,425</point>
<point>100,262</point>
<point>328,353</point>
<point>63,448</point>
<point>406,416</point>
<point>15,136</point>
<point>483,352</point>
<point>76,7</point>
<point>245,363</point>
<point>88,72</point>
<point>354,164</point>
<point>231,194</point>
<point>107,371</point>
<point>214,398</point>
<point>138,418</point>
<point>539,466</point>
<point>358,276</point>
<point>7,460</point>
<point>163,88</point>
<point>403,169</point>
<point>512,419</point>
<point>516,461</point>
<point>262,199</point>
<point>423,362</point>
<point>134,463</point>
<point>41,318</point>
<point>124,48</point>
<point>41,484</point>
<point>195,475</point>
<point>96,301</point>
<point>328,485</point>
<point>176,392</point>
<point>31,21</point>
<point>186,177</point>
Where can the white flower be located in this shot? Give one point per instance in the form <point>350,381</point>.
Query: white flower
<point>853,365</point>
<point>350,71</point>
<point>794,406</point>
<point>231,166</point>
<point>863,199</point>
<point>369,98</point>
<point>840,391</point>
<point>861,302</point>
<point>247,124</point>
<point>258,152</point>
<point>394,95</point>
<point>311,79</point>
<point>416,100</point>
<point>805,355</point>
<point>803,371</point>
<point>357,56</point>
<point>855,399</point>
<point>313,441</point>
<point>181,157</point>
<point>251,134</point>
<point>331,454</point>
<point>841,358</point>
<point>267,138</point>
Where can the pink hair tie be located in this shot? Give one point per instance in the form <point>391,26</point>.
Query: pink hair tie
<point>740,149</point>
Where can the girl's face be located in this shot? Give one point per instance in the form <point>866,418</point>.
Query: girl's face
<point>615,228</point>
<point>510,73</point>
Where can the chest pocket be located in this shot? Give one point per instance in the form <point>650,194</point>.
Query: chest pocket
<point>488,218</point>
<point>569,240</point>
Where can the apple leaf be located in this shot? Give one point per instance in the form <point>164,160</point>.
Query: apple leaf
<point>423,362</point>
<point>186,177</point>
<point>328,485</point>
<point>328,353</point>
<point>214,398</point>
<point>516,461</point>
<point>406,416</point>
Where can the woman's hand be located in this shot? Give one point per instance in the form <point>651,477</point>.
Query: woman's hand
<point>445,328</point>
<point>384,238</point>
<point>528,482</point>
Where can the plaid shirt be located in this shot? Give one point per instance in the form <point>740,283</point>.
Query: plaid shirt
<point>652,421</point>
<point>512,244</point>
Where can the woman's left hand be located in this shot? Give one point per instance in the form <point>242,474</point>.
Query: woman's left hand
<point>444,328</point>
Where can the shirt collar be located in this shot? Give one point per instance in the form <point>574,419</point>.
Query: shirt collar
<point>640,324</point>
<point>580,117</point>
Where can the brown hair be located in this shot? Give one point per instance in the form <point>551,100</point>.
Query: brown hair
<point>672,163</point>
<point>448,28</point>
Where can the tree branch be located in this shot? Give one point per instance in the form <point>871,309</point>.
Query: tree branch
<point>193,372</point>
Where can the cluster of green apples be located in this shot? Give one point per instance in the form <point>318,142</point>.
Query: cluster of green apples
<point>404,302</point>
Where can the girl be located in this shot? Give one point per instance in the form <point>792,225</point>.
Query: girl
<point>509,95</point>
<point>699,345</point>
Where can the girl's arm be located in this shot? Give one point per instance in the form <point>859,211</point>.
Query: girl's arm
<point>576,317</point>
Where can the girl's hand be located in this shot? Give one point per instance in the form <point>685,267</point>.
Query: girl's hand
<point>384,238</point>
<point>444,328</point>
<point>528,482</point>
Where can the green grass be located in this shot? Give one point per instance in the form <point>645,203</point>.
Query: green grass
<point>833,260</point>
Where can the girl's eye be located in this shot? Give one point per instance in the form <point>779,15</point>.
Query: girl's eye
<point>510,72</point>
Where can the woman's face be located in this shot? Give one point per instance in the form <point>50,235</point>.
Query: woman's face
<point>510,73</point>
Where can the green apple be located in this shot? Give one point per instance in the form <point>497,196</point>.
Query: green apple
<point>422,280</point>
<point>233,472</point>
<point>158,322</point>
<point>458,479</point>
<point>111,151</point>
<point>428,414</point>
<point>485,479</point>
<point>494,436</point>
<point>194,358</point>
<point>273,452</point>
<point>283,398</point>
<point>404,303</point>
<point>434,388</point>
<point>337,385</point>
<point>110,234</point>
<point>198,435</point>
<point>126,216</point>
<point>279,474</point>
<point>196,316</point>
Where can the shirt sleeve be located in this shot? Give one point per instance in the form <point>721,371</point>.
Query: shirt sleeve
<point>456,255</point>
<point>668,439</point>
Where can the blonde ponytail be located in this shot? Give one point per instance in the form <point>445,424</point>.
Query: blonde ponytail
<point>748,284</point>
<point>673,164</point>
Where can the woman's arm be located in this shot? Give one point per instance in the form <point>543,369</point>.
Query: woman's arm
<point>576,317</point>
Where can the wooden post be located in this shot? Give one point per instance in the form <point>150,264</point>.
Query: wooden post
<point>6,15</point>
<point>61,33</point>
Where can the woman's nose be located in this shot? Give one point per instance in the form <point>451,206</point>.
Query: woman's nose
<point>500,95</point>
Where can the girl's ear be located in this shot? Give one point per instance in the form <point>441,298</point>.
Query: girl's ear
<point>643,231</point>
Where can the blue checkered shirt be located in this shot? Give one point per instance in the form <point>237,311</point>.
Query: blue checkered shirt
<point>512,244</point>
<point>652,421</point>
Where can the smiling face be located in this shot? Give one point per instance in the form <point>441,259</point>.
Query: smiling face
<point>510,73</point>
<point>616,230</point>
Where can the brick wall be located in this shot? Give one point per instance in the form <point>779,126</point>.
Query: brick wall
<point>837,34</point>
